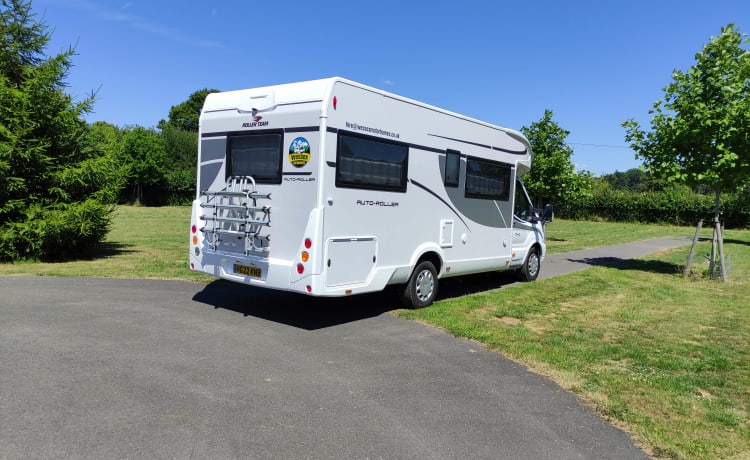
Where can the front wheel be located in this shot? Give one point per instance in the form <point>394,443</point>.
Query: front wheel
<point>531,266</point>
<point>421,290</point>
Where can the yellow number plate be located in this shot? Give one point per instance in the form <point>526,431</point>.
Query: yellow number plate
<point>247,271</point>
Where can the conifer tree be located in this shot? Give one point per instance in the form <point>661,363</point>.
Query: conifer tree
<point>57,188</point>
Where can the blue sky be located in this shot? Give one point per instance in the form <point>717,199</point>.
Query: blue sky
<point>593,63</point>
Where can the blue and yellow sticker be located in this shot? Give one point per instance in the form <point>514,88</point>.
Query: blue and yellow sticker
<point>299,152</point>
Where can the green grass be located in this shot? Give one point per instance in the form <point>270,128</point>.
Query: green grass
<point>664,357</point>
<point>569,235</point>
<point>143,243</point>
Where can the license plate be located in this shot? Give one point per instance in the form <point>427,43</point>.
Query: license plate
<point>247,270</point>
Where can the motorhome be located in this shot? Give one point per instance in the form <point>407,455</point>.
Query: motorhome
<point>334,188</point>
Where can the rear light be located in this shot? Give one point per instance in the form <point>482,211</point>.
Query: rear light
<point>309,288</point>
<point>195,239</point>
<point>304,255</point>
<point>193,229</point>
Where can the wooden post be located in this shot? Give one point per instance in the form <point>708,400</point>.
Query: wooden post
<point>689,263</point>
<point>720,233</point>
<point>712,260</point>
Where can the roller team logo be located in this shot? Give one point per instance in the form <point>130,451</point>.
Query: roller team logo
<point>299,152</point>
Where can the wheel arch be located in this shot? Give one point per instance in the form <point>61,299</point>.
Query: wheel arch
<point>431,253</point>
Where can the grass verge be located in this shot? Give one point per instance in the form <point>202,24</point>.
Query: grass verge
<point>664,357</point>
<point>143,243</point>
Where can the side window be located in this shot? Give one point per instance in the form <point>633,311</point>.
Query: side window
<point>522,204</point>
<point>487,179</point>
<point>372,163</point>
<point>452,167</point>
<point>257,155</point>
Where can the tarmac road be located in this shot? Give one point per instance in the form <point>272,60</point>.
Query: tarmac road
<point>104,368</point>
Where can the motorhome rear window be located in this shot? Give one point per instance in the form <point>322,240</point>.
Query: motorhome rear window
<point>256,155</point>
<point>487,179</point>
<point>371,163</point>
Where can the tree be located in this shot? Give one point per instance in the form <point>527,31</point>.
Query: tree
<point>184,116</point>
<point>699,130</point>
<point>182,155</point>
<point>143,149</point>
<point>634,180</point>
<point>57,189</point>
<point>552,177</point>
<point>181,148</point>
<point>181,143</point>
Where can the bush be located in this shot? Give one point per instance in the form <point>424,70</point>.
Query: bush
<point>59,233</point>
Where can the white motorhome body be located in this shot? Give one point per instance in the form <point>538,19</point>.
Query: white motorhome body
<point>331,188</point>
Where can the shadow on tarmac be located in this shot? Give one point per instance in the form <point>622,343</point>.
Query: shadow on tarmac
<point>292,309</point>
<point>311,313</point>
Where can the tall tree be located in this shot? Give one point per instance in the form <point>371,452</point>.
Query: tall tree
<point>699,130</point>
<point>182,157</point>
<point>553,177</point>
<point>181,143</point>
<point>184,116</point>
<point>56,187</point>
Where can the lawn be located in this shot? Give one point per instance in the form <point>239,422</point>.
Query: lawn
<point>143,243</point>
<point>662,356</point>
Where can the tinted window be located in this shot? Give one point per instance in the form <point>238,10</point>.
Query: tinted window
<point>487,179</point>
<point>452,167</point>
<point>365,162</point>
<point>256,155</point>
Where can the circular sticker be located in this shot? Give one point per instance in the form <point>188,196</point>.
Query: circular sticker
<point>299,152</point>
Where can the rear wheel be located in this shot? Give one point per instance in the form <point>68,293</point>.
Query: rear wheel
<point>531,266</point>
<point>421,289</point>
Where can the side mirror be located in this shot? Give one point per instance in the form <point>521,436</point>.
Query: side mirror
<point>549,213</point>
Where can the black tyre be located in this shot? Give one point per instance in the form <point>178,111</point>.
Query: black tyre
<point>421,289</point>
<point>532,264</point>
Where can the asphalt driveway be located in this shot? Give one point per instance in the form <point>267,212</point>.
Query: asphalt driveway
<point>103,368</point>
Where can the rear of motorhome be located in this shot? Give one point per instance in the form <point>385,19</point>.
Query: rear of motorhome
<point>334,188</point>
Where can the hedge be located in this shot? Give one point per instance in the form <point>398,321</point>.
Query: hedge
<point>673,207</point>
